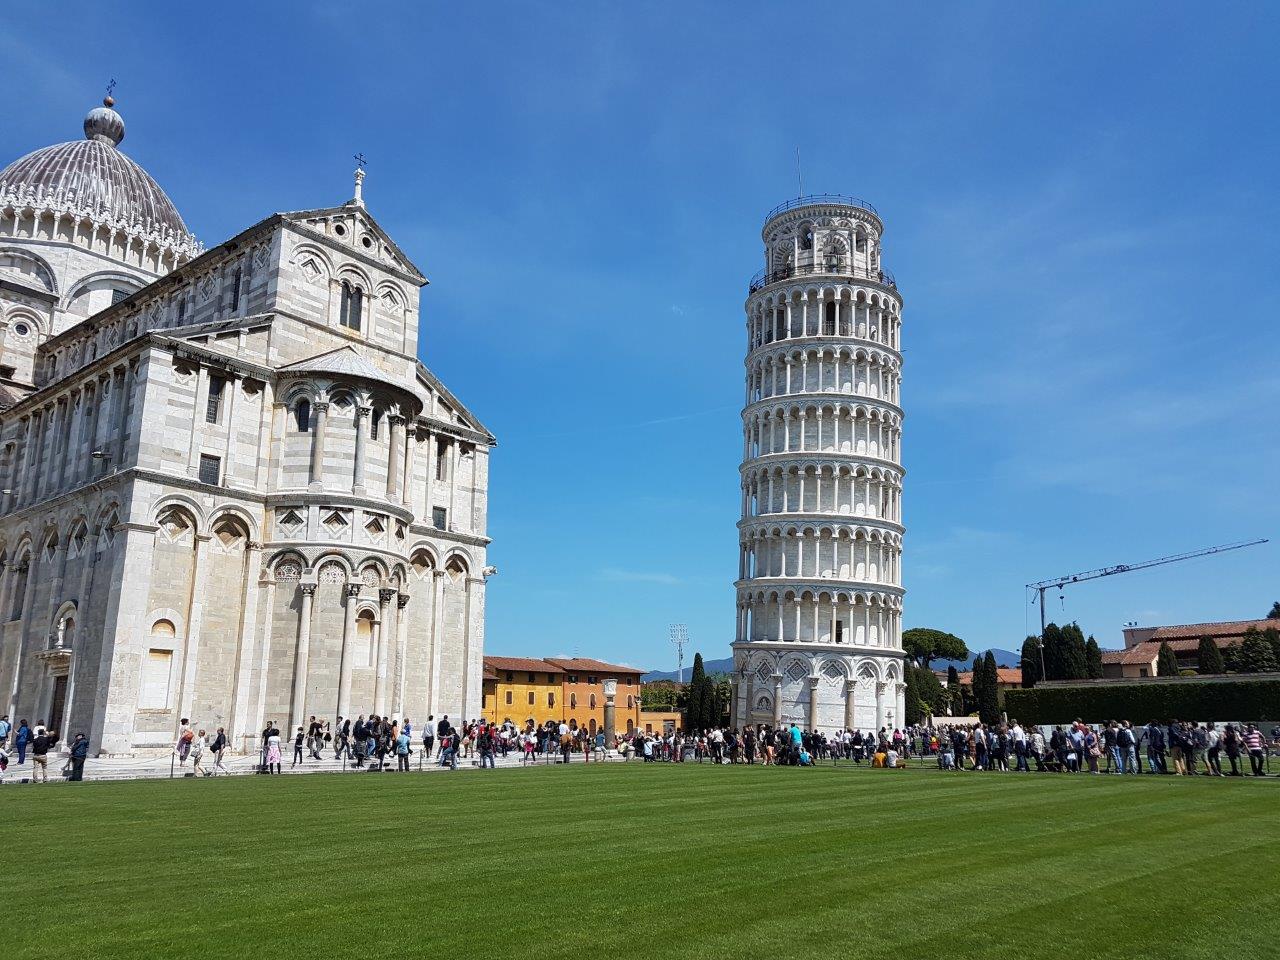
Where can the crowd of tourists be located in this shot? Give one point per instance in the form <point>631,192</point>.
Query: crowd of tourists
<point>380,743</point>
<point>1117,747</point>
<point>36,743</point>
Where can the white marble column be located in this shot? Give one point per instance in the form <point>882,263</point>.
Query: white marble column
<point>301,658</point>
<point>352,592</point>
<point>320,415</point>
<point>239,725</point>
<point>402,658</point>
<point>385,594</point>
<point>195,618</point>
<point>362,428</point>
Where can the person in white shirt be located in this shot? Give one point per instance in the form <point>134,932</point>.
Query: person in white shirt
<point>198,747</point>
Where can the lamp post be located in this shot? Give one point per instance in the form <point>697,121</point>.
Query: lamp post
<point>610,731</point>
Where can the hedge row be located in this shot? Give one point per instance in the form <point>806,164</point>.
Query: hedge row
<point>1234,699</point>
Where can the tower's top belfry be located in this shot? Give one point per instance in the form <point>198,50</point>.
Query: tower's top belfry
<point>825,234</point>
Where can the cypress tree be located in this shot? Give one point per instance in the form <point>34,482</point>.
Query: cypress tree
<point>1031,662</point>
<point>989,697</point>
<point>1209,657</point>
<point>1166,662</point>
<point>696,707</point>
<point>1272,636</point>
<point>1093,659</point>
<point>1075,661</point>
<point>1255,653</point>
<point>913,704</point>
<point>1054,653</point>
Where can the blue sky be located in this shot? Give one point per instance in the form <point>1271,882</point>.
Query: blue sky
<point>1080,212</point>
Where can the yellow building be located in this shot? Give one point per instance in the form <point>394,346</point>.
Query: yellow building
<point>520,689</point>
<point>559,689</point>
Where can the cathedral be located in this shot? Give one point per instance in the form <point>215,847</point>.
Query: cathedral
<point>229,489</point>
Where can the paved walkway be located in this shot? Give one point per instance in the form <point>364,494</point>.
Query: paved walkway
<point>166,766</point>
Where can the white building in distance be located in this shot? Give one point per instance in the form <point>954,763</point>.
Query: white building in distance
<point>231,491</point>
<point>819,632</point>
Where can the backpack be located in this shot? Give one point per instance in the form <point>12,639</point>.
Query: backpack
<point>188,736</point>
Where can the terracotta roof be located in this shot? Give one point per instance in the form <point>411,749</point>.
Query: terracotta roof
<point>1228,628</point>
<point>521,664</point>
<point>1148,650</point>
<point>587,665</point>
<point>489,673</point>
<point>1003,675</point>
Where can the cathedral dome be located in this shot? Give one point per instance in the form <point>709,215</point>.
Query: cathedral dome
<point>92,178</point>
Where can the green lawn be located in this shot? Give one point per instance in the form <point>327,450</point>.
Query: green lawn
<point>657,861</point>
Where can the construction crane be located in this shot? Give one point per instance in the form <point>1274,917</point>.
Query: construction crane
<point>1060,582</point>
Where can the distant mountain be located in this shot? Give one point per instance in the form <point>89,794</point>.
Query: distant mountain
<point>1004,658</point>
<point>711,666</point>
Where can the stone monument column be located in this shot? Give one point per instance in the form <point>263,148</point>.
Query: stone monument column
<point>610,723</point>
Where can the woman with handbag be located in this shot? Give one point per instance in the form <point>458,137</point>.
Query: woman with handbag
<point>1092,752</point>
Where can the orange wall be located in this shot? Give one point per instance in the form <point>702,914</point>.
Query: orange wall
<point>577,701</point>
<point>547,698</point>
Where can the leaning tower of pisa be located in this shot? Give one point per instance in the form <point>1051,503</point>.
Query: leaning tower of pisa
<point>819,582</point>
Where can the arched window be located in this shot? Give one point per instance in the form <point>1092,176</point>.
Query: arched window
<point>593,701</point>
<point>157,669</point>
<point>302,416</point>
<point>352,306</point>
<point>573,701</point>
<point>631,702</point>
<point>364,639</point>
<point>829,318</point>
<point>19,588</point>
<point>806,239</point>
<point>375,418</point>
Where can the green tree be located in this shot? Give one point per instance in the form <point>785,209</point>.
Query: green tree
<point>660,695</point>
<point>1209,657</point>
<point>1255,654</point>
<point>1231,657</point>
<point>924,644</point>
<point>1030,662</point>
<point>721,699</point>
<point>913,702</point>
<point>1075,660</point>
<point>1054,653</point>
<point>1275,611</point>
<point>988,694</point>
<point>1166,662</point>
<point>698,705</point>
<point>953,690</point>
<point>1093,659</point>
<point>1272,636</point>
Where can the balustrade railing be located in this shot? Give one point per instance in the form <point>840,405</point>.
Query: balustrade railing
<point>837,269</point>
